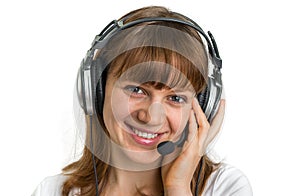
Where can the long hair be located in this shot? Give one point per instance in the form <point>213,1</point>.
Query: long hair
<point>194,66</point>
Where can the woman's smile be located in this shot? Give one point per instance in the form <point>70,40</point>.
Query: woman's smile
<point>144,136</point>
<point>139,116</point>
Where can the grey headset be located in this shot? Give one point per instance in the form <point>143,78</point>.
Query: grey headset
<point>86,79</point>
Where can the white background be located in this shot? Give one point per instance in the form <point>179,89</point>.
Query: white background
<point>43,42</point>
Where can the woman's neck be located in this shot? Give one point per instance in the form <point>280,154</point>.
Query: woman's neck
<point>123,182</point>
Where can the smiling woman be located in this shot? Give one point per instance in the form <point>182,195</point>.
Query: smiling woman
<point>147,105</point>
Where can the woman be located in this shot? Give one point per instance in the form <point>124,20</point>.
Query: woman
<point>142,87</point>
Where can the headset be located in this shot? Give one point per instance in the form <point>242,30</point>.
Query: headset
<point>208,99</point>
<point>87,81</point>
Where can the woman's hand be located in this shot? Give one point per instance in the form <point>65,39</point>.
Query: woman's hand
<point>177,175</point>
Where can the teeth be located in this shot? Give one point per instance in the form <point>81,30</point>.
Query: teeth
<point>144,134</point>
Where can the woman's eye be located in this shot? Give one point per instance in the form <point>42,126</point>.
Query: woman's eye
<point>134,89</point>
<point>177,99</point>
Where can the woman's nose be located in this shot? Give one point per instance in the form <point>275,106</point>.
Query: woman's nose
<point>153,115</point>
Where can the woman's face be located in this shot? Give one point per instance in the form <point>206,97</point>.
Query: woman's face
<point>140,116</point>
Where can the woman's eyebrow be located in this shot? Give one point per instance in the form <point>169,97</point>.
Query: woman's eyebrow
<point>174,89</point>
<point>182,90</point>
<point>186,92</point>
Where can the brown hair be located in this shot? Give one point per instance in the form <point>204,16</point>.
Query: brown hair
<point>194,66</point>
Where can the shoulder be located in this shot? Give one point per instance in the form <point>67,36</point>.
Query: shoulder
<point>52,185</point>
<point>228,180</point>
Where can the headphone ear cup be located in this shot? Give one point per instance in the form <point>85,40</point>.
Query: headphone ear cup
<point>202,98</point>
<point>100,92</point>
<point>209,99</point>
<point>80,88</point>
<point>85,86</point>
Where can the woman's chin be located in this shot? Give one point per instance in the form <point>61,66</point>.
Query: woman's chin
<point>135,160</point>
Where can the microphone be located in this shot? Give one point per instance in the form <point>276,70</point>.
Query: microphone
<point>167,147</point>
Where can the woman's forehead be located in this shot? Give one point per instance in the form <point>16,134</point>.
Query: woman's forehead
<point>156,74</point>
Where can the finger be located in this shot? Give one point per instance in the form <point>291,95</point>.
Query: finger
<point>216,122</point>
<point>220,113</point>
<point>201,120</point>
<point>191,145</point>
<point>193,126</point>
<point>219,117</point>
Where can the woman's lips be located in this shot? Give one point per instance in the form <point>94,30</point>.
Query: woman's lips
<point>146,141</point>
<point>143,137</point>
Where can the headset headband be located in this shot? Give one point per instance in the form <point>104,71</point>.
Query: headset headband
<point>116,25</point>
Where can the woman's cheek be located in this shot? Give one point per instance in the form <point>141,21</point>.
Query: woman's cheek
<point>178,119</point>
<point>120,105</point>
